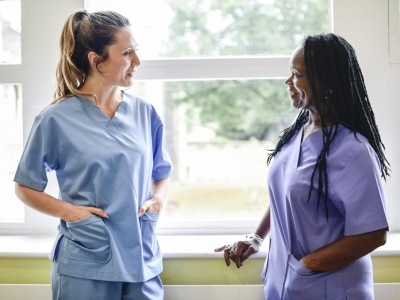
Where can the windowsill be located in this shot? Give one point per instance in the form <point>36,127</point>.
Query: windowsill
<point>182,246</point>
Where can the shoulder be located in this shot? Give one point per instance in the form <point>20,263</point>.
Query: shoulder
<point>349,141</point>
<point>138,101</point>
<point>59,108</point>
<point>141,105</point>
<point>55,113</point>
<point>349,146</point>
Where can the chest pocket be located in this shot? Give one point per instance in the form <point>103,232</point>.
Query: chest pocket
<point>89,240</point>
<point>149,239</point>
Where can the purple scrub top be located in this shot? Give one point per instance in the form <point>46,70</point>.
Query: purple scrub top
<point>356,205</point>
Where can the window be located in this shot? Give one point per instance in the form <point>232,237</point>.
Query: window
<point>11,102</point>
<point>210,44</point>
<point>10,150</point>
<point>10,32</point>
<point>219,127</point>
<point>218,143</point>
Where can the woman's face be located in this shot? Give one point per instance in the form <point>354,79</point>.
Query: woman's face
<point>297,84</point>
<point>120,67</point>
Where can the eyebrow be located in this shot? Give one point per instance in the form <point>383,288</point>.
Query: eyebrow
<point>130,47</point>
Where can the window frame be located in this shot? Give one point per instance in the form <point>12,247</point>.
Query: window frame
<point>346,20</point>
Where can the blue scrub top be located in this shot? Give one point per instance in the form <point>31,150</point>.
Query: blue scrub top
<point>356,205</point>
<point>105,163</point>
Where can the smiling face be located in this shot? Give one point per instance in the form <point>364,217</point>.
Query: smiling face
<point>120,67</point>
<point>298,86</point>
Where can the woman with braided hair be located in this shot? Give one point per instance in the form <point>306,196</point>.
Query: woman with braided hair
<point>327,205</point>
<point>107,149</point>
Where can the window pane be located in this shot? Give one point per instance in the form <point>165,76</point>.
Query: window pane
<point>198,28</point>
<point>218,133</point>
<point>10,32</point>
<point>11,209</point>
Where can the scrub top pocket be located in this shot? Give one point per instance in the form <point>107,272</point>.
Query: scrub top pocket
<point>149,239</point>
<point>302,283</point>
<point>90,240</point>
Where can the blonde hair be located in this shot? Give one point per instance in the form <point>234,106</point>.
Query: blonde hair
<point>82,33</point>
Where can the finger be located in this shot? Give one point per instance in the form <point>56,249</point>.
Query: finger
<point>143,209</point>
<point>98,211</point>
<point>238,253</point>
<point>226,257</point>
<point>246,254</point>
<point>219,249</point>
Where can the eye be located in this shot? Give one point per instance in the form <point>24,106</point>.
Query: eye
<point>127,53</point>
<point>296,75</point>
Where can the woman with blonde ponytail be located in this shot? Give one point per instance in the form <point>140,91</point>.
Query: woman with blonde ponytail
<point>107,149</point>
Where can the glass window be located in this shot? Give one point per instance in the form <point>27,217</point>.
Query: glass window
<point>218,133</point>
<point>11,209</point>
<point>200,28</point>
<point>10,32</point>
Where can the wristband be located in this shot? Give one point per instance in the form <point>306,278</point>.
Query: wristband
<point>256,237</point>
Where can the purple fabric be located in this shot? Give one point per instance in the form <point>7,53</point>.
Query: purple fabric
<point>356,205</point>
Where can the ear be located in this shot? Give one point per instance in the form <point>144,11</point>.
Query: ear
<point>93,60</point>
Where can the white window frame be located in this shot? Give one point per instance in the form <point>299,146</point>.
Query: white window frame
<point>362,28</point>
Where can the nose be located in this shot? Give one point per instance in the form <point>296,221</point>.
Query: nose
<point>288,80</point>
<point>135,59</point>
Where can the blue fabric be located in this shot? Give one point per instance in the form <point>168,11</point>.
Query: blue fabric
<point>356,205</point>
<point>71,288</point>
<point>105,163</point>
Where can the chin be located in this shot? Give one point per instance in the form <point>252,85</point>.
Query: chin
<point>295,104</point>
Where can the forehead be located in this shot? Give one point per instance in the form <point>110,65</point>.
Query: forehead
<point>124,39</point>
<point>297,59</point>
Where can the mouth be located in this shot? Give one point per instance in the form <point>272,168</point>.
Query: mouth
<point>131,74</point>
<point>293,93</point>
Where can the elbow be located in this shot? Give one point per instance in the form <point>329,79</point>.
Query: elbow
<point>19,190</point>
<point>380,237</point>
<point>384,236</point>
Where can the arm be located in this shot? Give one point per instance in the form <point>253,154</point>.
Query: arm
<point>344,251</point>
<point>244,248</point>
<point>49,205</point>
<point>159,189</point>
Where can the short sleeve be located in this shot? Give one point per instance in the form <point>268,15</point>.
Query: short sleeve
<point>162,165</point>
<point>359,194</point>
<point>38,158</point>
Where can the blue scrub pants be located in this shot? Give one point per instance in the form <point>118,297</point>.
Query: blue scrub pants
<point>73,288</point>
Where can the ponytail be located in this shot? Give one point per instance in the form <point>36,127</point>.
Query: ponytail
<point>82,33</point>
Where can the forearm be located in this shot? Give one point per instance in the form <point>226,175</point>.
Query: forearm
<point>41,201</point>
<point>159,189</point>
<point>265,224</point>
<point>344,251</point>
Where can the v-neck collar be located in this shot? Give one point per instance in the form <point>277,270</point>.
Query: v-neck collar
<point>113,124</point>
<point>300,147</point>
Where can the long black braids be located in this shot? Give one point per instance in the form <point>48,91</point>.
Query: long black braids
<point>331,61</point>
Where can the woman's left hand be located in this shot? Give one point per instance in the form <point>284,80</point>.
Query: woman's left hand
<point>159,190</point>
<point>152,205</point>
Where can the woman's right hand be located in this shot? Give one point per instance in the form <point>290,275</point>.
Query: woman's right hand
<point>75,213</point>
<point>239,251</point>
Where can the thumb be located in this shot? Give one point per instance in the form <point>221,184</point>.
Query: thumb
<point>143,209</point>
<point>245,255</point>
<point>98,211</point>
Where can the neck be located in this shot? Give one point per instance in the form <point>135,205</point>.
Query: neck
<point>106,95</point>
<point>314,119</point>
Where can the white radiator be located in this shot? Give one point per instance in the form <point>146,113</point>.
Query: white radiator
<point>383,291</point>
